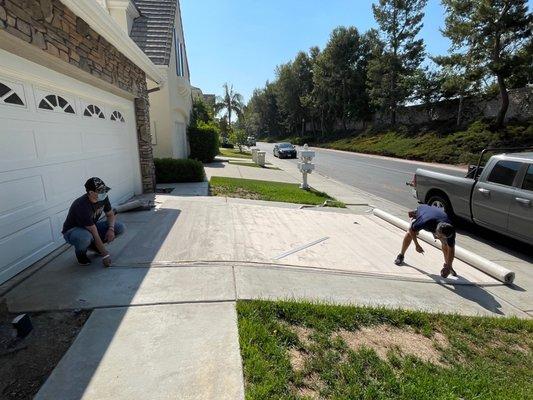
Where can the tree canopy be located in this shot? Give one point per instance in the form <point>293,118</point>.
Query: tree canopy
<point>358,73</point>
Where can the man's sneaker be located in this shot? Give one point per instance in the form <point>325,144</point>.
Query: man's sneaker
<point>82,258</point>
<point>399,259</point>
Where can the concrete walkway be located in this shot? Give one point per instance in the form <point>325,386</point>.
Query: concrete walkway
<point>175,351</point>
<point>229,170</point>
<point>165,320</point>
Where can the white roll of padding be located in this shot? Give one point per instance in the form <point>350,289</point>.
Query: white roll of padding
<point>490,268</point>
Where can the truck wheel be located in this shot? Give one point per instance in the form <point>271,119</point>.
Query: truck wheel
<point>441,202</point>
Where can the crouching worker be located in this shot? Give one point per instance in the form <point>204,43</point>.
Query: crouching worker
<point>82,228</point>
<point>436,221</point>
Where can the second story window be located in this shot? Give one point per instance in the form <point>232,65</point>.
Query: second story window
<point>180,71</point>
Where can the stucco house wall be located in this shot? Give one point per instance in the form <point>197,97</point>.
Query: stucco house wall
<point>171,106</point>
<point>158,31</point>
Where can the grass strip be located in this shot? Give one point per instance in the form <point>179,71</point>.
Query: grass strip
<point>253,165</point>
<point>267,190</point>
<point>306,350</point>
<point>234,153</point>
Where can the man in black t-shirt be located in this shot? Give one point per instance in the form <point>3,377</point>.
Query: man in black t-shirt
<point>82,227</point>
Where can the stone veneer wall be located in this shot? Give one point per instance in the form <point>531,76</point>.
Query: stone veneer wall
<point>52,27</point>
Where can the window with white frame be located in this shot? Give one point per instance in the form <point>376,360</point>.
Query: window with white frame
<point>180,71</point>
<point>8,95</point>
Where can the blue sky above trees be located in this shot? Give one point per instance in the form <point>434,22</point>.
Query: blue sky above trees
<point>242,41</point>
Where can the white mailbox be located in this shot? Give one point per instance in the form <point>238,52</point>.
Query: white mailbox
<point>305,166</point>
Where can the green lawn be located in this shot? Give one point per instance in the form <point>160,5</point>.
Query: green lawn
<point>266,190</point>
<point>310,351</point>
<point>235,153</point>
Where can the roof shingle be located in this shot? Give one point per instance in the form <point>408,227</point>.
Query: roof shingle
<point>153,30</point>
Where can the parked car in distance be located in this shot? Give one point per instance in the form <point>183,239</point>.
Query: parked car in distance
<point>498,196</point>
<point>250,141</point>
<point>284,150</point>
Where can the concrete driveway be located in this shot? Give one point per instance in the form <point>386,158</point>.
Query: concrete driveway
<point>208,248</point>
<point>164,324</point>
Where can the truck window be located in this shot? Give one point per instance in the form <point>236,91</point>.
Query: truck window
<point>504,172</point>
<point>528,179</point>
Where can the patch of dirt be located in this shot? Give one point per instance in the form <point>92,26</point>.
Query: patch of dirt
<point>26,363</point>
<point>239,193</point>
<point>303,334</point>
<point>297,359</point>
<point>384,338</point>
<point>311,388</point>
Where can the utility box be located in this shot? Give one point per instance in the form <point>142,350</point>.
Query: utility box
<point>254,154</point>
<point>260,158</point>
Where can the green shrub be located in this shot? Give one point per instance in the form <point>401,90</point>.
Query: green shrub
<point>204,142</point>
<point>461,147</point>
<point>227,145</point>
<point>170,170</point>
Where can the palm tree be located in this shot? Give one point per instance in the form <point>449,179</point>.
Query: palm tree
<point>231,102</point>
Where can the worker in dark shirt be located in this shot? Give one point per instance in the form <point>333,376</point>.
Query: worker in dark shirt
<point>436,221</point>
<point>82,228</point>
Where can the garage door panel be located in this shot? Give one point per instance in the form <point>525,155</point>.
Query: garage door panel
<point>17,146</point>
<point>104,142</point>
<point>64,182</point>
<point>18,195</point>
<point>57,224</point>
<point>24,245</point>
<point>58,144</point>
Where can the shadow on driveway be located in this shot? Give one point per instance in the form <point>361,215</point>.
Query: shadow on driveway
<point>466,289</point>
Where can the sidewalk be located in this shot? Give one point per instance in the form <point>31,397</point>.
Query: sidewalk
<point>221,167</point>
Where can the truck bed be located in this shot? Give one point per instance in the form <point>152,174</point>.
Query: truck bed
<point>457,189</point>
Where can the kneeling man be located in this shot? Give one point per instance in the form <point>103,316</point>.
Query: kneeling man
<point>82,228</point>
<point>436,221</point>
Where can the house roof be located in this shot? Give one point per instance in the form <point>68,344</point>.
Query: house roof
<point>153,30</point>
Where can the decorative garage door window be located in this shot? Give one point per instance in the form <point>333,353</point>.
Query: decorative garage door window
<point>56,103</point>
<point>117,116</point>
<point>93,111</point>
<point>8,96</point>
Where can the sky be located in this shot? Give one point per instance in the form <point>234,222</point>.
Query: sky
<point>242,41</point>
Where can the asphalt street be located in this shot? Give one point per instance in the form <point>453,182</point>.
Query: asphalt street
<point>381,176</point>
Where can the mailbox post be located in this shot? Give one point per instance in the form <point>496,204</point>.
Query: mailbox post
<point>305,166</point>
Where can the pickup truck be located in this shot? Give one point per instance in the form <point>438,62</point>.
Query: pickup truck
<point>498,196</point>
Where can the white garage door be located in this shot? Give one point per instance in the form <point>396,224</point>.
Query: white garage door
<point>55,132</point>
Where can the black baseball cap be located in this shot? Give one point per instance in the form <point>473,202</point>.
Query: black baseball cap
<point>96,185</point>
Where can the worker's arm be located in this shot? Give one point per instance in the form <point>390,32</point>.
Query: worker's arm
<point>414,236</point>
<point>97,241</point>
<point>110,234</point>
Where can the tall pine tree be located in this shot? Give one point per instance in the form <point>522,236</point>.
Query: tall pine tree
<point>399,23</point>
<point>488,34</point>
